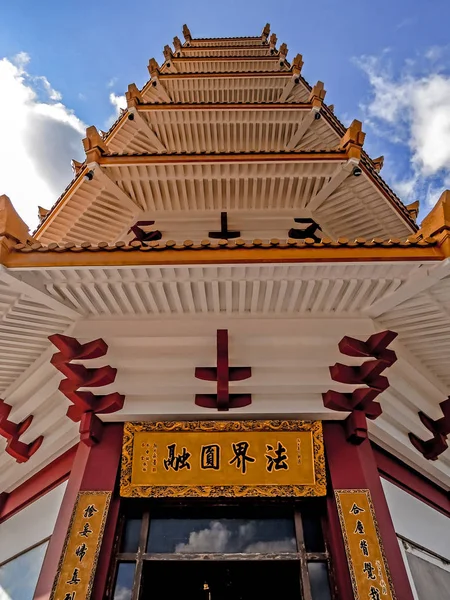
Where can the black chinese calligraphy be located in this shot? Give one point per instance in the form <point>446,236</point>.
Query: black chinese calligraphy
<point>359,527</point>
<point>241,458</point>
<point>369,569</point>
<point>81,551</point>
<point>210,457</point>
<point>355,510</point>
<point>89,511</point>
<point>75,580</point>
<point>70,596</point>
<point>374,593</point>
<point>177,461</point>
<point>86,531</point>
<point>364,547</point>
<point>276,459</point>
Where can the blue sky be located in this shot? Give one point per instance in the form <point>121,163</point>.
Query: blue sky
<point>64,65</point>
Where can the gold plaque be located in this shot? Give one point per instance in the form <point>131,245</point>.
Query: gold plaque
<point>78,562</point>
<point>369,570</point>
<point>223,458</point>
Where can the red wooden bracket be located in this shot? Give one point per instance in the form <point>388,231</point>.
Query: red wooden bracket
<point>430,449</point>
<point>85,404</point>
<point>144,236</point>
<point>12,431</point>
<point>223,374</point>
<point>308,232</point>
<point>21,451</point>
<point>361,402</point>
<point>356,427</point>
<point>440,428</point>
<point>224,233</point>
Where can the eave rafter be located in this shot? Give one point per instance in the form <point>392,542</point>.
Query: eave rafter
<point>316,99</point>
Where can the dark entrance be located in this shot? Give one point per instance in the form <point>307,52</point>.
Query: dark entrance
<point>221,552</point>
<point>217,580</point>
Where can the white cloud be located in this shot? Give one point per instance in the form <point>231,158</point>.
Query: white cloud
<point>112,82</point>
<point>412,108</point>
<point>119,103</point>
<point>39,136</point>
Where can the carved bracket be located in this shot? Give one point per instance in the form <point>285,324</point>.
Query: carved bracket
<point>224,233</point>
<point>308,232</point>
<point>144,236</point>
<point>440,428</point>
<point>11,431</point>
<point>361,402</point>
<point>223,374</point>
<point>85,404</point>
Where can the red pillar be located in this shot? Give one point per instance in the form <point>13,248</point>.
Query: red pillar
<point>354,466</point>
<point>95,468</point>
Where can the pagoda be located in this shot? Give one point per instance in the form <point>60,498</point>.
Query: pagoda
<point>227,342</point>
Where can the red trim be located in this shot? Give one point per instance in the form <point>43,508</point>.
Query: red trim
<point>404,477</point>
<point>350,467</point>
<point>38,485</point>
<point>94,468</point>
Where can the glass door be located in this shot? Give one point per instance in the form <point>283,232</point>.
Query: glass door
<point>221,553</point>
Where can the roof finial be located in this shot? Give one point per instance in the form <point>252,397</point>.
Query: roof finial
<point>437,222</point>
<point>378,163</point>
<point>77,167</point>
<point>317,94</point>
<point>153,68</point>
<point>133,95</point>
<point>42,213</point>
<point>413,210</point>
<point>353,139</point>
<point>283,52</point>
<point>273,41</point>
<point>177,44</point>
<point>12,226</point>
<point>93,144</point>
<point>167,52</point>
<point>297,65</point>
<point>265,33</point>
<point>187,34</point>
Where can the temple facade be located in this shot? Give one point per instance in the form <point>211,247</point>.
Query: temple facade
<point>224,354</point>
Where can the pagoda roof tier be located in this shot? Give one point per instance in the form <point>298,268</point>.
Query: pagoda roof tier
<point>213,64</point>
<point>284,319</point>
<point>176,128</point>
<point>225,42</point>
<point>238,87</point>
<point>222,51</point>
<point>123,187</point>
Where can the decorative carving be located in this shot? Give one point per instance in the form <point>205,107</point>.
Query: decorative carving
<point>85,404</point>
<point>187,34</point>
<point>223,374</point>
<point>127,489</point>
<point>440,428</point>
<point>265,33</point>
<point>12,431</point>
<point>361,402</point>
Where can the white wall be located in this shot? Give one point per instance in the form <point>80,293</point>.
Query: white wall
<point>417,521</point>
<point>31,525</point>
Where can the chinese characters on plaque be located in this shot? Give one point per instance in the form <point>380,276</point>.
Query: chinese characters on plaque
<point>76,568</point>
<point>223,458</point>
<point>369,571</point>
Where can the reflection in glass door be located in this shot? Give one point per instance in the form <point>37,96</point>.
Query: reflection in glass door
<point>221,553</point>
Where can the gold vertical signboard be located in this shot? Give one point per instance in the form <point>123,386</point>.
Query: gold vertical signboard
<point>76,569</point>
<point>369,570</point>
<point>223,458</point>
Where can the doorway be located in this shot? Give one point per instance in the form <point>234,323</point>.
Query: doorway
<point>221,552</point>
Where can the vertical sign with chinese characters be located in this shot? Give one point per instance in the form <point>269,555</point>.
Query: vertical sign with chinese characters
<point>369,571</point>
<point>223,458</point>
<point>78,561</point>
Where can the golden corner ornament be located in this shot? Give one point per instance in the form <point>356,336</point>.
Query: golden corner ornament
<point>76,569</point>
<point>223,458</point>
<point>367,562</point>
